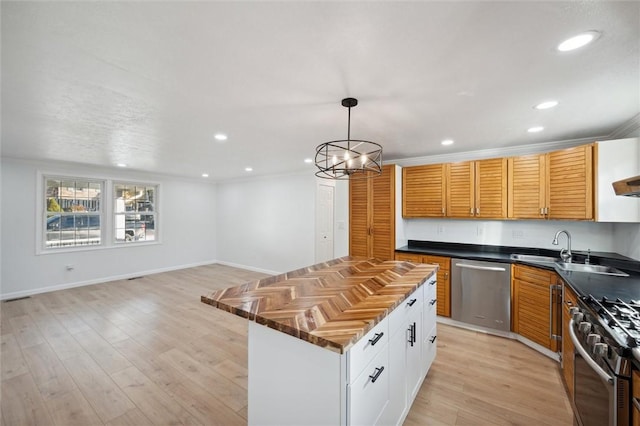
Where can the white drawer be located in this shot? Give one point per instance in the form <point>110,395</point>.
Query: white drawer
<point>369,395</point>
<point>366,348</point>
<point>429,346</point>
<point>430,288</point>
<point>398,318</point>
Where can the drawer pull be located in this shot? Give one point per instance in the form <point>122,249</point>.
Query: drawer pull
<point>412,334</point>
<point>412,301</point>
<point>433,339</point>
<point>432,282</point>
<point>375,339</point>
<point>433,302</point>
<point>377,374</point>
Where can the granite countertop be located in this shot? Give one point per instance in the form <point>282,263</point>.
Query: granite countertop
<point>583,283</point>
<point>331,304</point>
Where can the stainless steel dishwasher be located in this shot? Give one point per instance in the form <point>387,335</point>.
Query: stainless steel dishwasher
<point>481,293</point>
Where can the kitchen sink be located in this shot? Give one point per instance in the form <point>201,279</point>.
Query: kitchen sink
<point>594,269</point>
<point>534,258</point>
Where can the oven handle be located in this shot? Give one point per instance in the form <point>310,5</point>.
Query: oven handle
<point>576,343</point>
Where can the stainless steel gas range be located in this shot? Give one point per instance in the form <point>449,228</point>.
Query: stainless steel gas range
<point>606,335</point>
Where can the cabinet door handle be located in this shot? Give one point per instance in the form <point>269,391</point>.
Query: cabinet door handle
<point>443,211</point>
<point>375,339</point>
<point>478,211</point>
<point>411,333</point>
<point>471,211</point>
<point>542,211</point>
<point>446,275</point>
<point>377,374</point>
<point>432,282</point>
<point>411,302</point>
<point>433,339</point>
<point>433,302</point>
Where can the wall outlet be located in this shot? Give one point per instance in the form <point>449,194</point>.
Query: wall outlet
<point>340,224</point>
<point>480,230</point>
<point>517,234</point>
<point>70,267</point>
<point>440,229</point>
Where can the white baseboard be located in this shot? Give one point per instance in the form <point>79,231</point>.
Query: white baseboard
<point>248,268</point>
<point>25,293</point>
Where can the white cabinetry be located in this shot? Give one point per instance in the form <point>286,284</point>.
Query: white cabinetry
<point>617,159</point>
<point>293,382</point>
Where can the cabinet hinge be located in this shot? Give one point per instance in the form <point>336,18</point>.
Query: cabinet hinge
<point>557,287</point>
<point>556,337</point>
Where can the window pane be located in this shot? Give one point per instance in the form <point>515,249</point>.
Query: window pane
<point>72,215</point>
<point>134,212</point>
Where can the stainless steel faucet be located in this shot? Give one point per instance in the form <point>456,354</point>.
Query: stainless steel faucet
<point>565,254</point>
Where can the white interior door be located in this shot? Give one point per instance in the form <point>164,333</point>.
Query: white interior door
<point>325,193</point>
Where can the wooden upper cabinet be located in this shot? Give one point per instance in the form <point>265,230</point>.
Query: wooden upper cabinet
<point>423,191</point>
<point>527,187</point>
<point>372,215</point>
<point>491,188</point>
<point>460,189</point>
<point>556,185</point>
<point>477,189</point>
<point>570,183</point>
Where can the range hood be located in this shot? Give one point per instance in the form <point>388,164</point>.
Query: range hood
<point>628,187</point>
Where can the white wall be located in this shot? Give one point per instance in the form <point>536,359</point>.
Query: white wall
<point>186,221</point>
<point>530,233</point>
<point>267,223</point>
<point>627,239</point>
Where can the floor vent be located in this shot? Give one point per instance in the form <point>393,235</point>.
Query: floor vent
<point>17,298</point>
<point>134,278</point>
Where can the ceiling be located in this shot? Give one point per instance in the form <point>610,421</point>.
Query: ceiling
<point>148,84</point>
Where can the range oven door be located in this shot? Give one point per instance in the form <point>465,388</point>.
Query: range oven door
<point>595,396</point>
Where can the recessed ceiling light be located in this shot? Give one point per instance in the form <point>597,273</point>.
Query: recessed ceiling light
<point>546,105</point>
<point>535,129</point>
<point>248,169</point>
<point>578,41</point>
<point>121,165</point>
<point>308,160</point>
<point>447,142</point>
<point>220,137</point>
<point>205,175</point>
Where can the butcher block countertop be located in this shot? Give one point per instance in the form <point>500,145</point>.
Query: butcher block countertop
<point>331,304</point>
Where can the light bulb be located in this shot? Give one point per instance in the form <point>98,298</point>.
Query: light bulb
<point>334,160</point>
<point>363,157</point>
<point>346,155</point>
<point>349,162</point>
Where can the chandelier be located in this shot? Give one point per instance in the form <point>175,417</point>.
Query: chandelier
<point>348,158</point>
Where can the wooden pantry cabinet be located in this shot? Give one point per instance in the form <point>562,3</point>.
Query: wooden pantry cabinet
<point>477,189</point>
<point>372,215</point>
<point>443,290</point>
<point>536,305</point>
<point>555,185</point>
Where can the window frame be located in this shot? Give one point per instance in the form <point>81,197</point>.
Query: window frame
<point>115,214</point>
<point>43,214</point>
<point>107,211</point>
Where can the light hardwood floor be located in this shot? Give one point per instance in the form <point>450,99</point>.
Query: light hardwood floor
<point>147,351</point>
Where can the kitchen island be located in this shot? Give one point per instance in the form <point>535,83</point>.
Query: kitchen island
<point>347,341</point>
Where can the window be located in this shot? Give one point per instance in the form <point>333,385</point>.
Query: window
<point>72,212</point>
<point>134,212</point>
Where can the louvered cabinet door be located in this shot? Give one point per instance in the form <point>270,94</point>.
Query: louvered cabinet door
<point>460,189</point>
<point>570,183</point>
<point>383,213</point>
<point>527,187</point>
<point>359,219</point>
<point>423,191</point>
<point>491,188</point>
